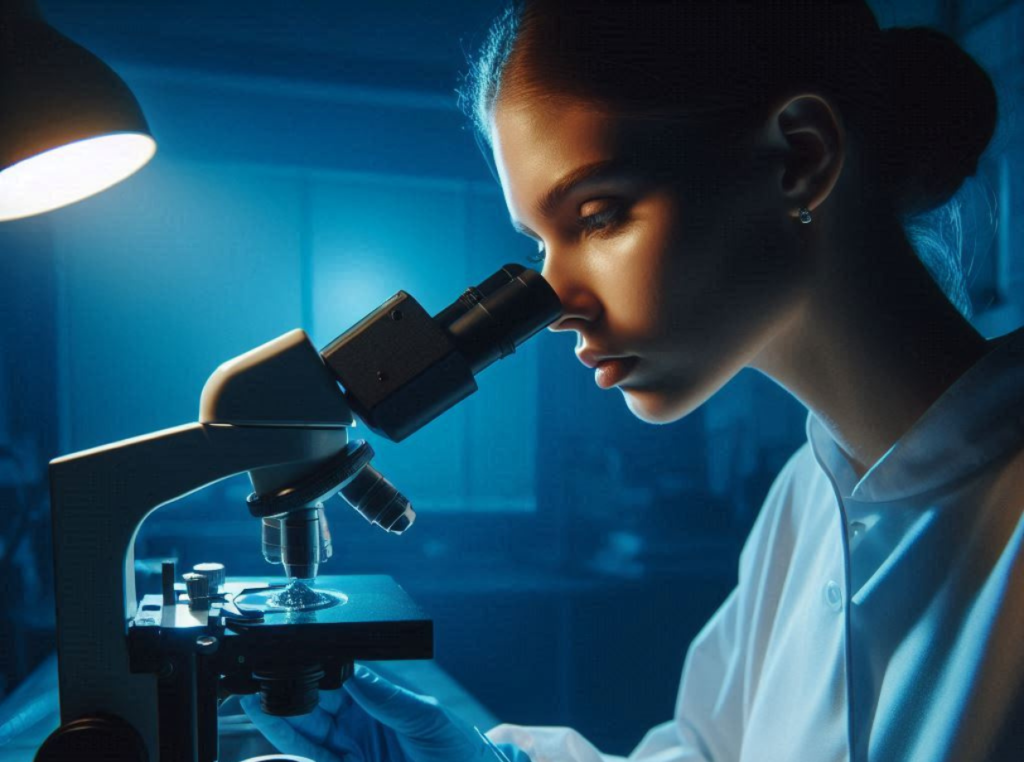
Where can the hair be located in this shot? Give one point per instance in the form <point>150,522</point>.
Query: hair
<point>923,109</point>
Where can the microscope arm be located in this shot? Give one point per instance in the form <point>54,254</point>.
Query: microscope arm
<point>100,497</point>
<point>96,594</point>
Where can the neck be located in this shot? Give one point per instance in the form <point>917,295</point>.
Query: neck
<point>875,344</point>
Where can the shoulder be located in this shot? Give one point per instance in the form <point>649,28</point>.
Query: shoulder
<point>800,485</point>
<point>799,507</point>
<point>800,477</point>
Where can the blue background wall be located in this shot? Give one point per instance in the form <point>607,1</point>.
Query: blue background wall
<point>311,163</point>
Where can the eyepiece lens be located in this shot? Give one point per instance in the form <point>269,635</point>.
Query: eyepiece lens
<point>516,303</point>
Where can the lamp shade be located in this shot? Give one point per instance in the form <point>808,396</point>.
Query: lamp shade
<point>69,125</point>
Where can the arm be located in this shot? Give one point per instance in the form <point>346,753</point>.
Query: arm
<point>721,664</point>
<point>381,721</point>
<point>721,668</point>
<point>708,722</point>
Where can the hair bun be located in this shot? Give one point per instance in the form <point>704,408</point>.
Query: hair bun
<point>942,114</point>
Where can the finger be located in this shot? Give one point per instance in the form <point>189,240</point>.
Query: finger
<point>405,712</point>
<point>419,719</point>
<point>335,702</point>
<point>305,735</point>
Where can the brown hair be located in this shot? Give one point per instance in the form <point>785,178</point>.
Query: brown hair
<point>924,109</point>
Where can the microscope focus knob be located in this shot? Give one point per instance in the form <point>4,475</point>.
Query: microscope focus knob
<point>213,572</point>
<point>198,588</point>
<point>103,737</point>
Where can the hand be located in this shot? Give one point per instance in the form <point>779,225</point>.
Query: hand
<point>370,719</point>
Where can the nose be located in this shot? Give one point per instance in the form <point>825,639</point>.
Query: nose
<point>579,303</point>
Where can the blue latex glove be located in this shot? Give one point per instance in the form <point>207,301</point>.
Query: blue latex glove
<point>370,719</point>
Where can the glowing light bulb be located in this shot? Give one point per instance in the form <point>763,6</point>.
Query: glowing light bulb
<point>70,173</point>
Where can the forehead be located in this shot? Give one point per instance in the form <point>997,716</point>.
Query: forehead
<point>539,142</point>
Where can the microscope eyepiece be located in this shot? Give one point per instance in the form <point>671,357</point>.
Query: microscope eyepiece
<point>488,322</point>
<point>475,294</point>
<point>401,368</point>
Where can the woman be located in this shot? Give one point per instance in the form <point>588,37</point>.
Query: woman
<point>714,186</point>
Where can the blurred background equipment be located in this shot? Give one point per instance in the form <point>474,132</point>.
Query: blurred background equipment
<point>316,150</point>
<point>70,126</point>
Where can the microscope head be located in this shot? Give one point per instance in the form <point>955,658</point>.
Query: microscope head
<point>401,368</point>
<point>398,369</point>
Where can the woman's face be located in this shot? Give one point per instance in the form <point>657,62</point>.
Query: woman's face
<point>675,253</point>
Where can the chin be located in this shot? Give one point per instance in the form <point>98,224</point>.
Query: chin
<point>659,407</point>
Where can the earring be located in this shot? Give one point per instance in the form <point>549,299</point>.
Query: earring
<point>805,215</point>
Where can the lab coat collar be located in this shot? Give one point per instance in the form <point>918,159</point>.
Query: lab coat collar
<point>977,420</point>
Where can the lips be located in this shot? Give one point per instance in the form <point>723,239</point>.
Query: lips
<point>613,371</point>
<point>609,370</point>
<point>593,359</point>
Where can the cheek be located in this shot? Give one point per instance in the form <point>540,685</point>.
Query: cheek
<point>737,263</point>
<point>640,263</point>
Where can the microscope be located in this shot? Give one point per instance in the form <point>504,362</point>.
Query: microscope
<point>140,681</point>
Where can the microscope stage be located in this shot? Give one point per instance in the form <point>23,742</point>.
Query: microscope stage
<point>377,620</point>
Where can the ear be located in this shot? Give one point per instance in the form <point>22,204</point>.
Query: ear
<point>807,127</point>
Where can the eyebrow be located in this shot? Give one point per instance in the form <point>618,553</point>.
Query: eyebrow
<point>586,173</point>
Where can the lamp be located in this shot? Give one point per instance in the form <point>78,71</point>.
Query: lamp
<point>69,126</point>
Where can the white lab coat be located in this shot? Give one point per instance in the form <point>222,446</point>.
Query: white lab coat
<point>874,619</point>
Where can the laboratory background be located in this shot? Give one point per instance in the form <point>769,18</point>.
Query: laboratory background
<point>312,161</point>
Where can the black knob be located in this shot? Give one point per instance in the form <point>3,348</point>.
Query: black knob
<point>103,738</point>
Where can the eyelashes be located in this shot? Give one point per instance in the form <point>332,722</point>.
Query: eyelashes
<point>601,222</point>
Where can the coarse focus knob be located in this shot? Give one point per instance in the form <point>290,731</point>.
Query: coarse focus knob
<point>105,737</point>
<point>198,588</point>
<point>213,572</point>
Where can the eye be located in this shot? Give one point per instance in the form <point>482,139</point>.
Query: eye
<point>600,214</point>
<point>597,216</point>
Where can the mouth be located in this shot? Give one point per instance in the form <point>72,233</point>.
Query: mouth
<point>613,371</point>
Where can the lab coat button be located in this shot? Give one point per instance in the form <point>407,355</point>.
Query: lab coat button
<point>834,596</point>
